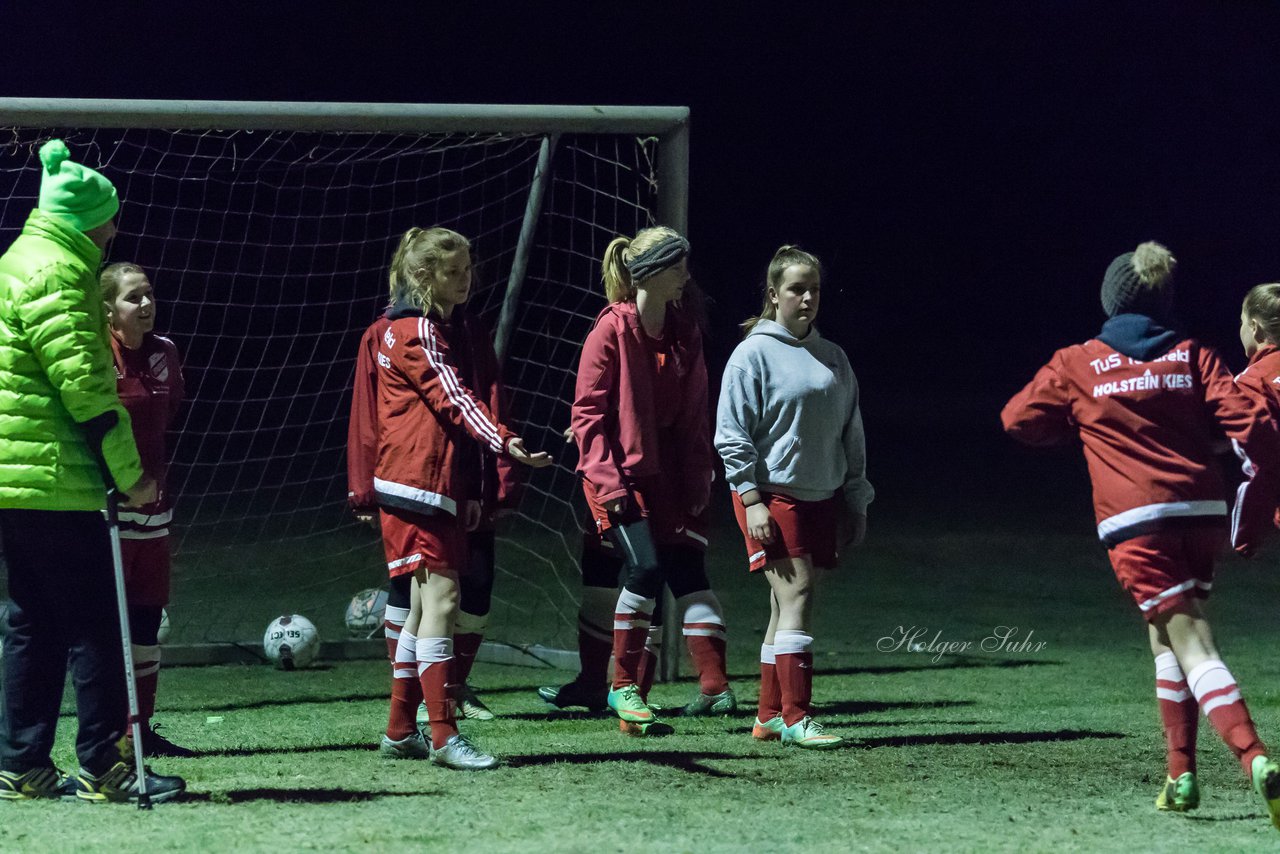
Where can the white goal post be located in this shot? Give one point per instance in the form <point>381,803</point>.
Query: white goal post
<point>267,228</point>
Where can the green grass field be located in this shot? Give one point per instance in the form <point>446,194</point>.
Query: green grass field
<point>1049,749</point>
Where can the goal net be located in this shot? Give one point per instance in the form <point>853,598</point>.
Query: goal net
<point>268,250</point>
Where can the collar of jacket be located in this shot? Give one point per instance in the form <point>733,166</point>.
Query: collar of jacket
<point>1261,353</point>
<point>1138,336</point>
<point>64,234</point>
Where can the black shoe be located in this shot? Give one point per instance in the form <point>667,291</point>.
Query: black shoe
<point>155,744</point>
<point>575,694</point>
<point>119,784</point>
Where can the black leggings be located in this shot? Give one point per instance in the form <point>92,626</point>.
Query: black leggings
<point>682,568</point>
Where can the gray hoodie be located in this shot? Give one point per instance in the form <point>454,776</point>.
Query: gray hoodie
<point>788,418</point>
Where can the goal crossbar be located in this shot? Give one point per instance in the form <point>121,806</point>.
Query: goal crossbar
<point>340,117</point>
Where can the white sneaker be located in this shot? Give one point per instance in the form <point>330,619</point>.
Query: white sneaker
<point>412,746</point>
<point>809,734</point>
<point>460,754</point>
<point>471,707</point>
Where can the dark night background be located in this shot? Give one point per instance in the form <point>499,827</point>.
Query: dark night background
<point>966,170</point>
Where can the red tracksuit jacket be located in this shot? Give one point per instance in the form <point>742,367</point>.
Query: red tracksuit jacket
<point>1261,381</point>
<point>1148,428</point>
<point>149,381</point>
<point>425,431</point>
<point>614,416</point>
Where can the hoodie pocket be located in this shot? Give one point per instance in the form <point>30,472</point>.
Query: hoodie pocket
<point>782,458</point>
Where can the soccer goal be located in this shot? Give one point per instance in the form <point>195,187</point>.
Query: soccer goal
<point>267,229</point>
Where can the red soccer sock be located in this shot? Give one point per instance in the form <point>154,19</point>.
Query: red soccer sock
<point>465,647</point>
<point>1179,714</point>
<point>770,690</point>
<point>792,652</point>
<point>435,657</point>
<point>704,636</point>
<point>649,661</point>
<point>595,636</point>
<point>708,653</point>
<point>631,619</point>
<point>1219,698</point>
<point>595,649</point>
<point>406,690</point>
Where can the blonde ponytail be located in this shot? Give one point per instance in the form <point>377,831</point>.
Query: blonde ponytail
<point>651,251</point>
<point>618,286</point>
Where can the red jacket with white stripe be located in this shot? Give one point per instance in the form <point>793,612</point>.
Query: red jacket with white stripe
<point>428,416</point>
<point>1148,427</point>
<point>149,382</point>
<point>614,415</point>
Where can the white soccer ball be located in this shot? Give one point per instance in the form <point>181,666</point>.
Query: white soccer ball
<point>162,634</point>
<point>365,612</point>
<point>291,641</point>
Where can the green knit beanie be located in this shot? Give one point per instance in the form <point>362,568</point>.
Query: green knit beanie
<point>74,193</point>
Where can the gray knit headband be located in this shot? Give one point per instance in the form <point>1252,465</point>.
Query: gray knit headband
<point>665,253</point>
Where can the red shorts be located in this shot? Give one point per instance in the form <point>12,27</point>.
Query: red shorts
<point>1168,568</point>
<point>146,571</point>
<point>413,541</point>
<point>652,499</point>
<point>802,528</point>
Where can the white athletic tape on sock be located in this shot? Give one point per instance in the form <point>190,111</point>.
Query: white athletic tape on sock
<point>791,643</point>
<point>434,650</point>
<point>701,607</point>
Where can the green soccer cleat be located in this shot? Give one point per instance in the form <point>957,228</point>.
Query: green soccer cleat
<point>462,755</point>
<point>629,705</point>
<point>470,706</point>
<point>46,782</point>
<point>575,694</point>
<point>809,734</point>
<point>770,730</point>
<point>423,719</point>
<point>119,784</point>
<point>653,729</point>
<point>412,746</point>
<point>1180,795</point>
<point>710,705</point>
<point>1266,782</point>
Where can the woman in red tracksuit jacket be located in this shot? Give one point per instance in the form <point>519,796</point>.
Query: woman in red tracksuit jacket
<point>641,420</point>
<point>427,479</point>
<point>494,478</point>
<point>1147,403</point>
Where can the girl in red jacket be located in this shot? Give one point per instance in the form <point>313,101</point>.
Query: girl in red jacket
<point>1259,334</point>
<point>496,492</point>
<point>1147,404</point>
<point>427,481</point>
<point>641,420</point>
<point>149,381</point>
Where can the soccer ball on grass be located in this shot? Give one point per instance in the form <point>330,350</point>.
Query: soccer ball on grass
<point>291,641</point>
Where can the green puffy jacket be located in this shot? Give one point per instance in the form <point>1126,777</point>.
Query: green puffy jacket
<point>56,373</point>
